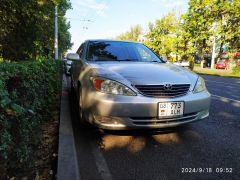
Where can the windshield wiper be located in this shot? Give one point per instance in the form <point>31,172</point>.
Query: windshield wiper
<point>155,61</point>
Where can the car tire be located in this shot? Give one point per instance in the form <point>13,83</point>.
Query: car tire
<point>72,92</point>
<point>82,114</point>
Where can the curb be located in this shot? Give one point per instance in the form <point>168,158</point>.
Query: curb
<point>67,159</point>
<point>218,75</point>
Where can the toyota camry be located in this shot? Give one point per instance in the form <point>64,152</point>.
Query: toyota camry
<point>124,85</point>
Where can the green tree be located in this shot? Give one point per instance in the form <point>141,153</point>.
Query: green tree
<point>165,36</point>
<point>208,18</point>
<point>226,15</point>
<point>198,23</point>
<point>131,35</point>
<point>27,28</point>
<point>186,48</point>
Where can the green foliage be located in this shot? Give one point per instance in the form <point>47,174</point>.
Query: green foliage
<point>131,35</point>
<point>166,37</point>
<point>27,29</point>
<point>219,18</point>
<point>236,70</point>
<point>198,23</point>
<point>29,92</point>
<point>183,36</point>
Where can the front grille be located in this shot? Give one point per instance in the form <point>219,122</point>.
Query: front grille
<point>163,120</point>
<point>162,91</point>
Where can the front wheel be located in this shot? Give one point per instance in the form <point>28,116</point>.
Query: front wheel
<point>82,114</point>
<point>80,104</point>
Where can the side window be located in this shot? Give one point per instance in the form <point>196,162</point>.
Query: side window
<point>80,51</point>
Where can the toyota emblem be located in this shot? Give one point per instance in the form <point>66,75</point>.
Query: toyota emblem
<point>167,86</point>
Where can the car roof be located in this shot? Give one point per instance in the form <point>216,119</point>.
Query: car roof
<point>111,40</point>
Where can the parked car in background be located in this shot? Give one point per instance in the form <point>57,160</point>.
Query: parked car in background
<point>67,65</point>
<point>237,58</point>
<point>124,85</point>
<point>222,64</point>
<point>182,63</point>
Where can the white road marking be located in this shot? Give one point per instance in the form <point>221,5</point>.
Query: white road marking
<point>229,84</point>
<point>225,98</point>
<point>101,163</point>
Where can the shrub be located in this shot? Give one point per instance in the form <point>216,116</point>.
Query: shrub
<point>236,70</point>
<point>29,91</point>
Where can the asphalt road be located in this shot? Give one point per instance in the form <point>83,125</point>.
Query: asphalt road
<point>209,146</point>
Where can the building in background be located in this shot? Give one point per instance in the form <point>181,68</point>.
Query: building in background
<point>142,37</point>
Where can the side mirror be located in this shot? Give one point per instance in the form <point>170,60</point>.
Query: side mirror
<point>73,57</point>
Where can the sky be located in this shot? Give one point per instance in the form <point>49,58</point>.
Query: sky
<point>106,19</point>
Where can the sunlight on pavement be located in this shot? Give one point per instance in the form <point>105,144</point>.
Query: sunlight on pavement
<point>133,144</point>
<point>224,99</point>
<point>111,141</point>
<point>236,104</point>
<point>167,138</point>
<point>177,138</point>
<point>137,144</point>
<point>226,115</point>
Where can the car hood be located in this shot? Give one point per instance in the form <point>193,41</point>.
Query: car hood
<point>143,73</point>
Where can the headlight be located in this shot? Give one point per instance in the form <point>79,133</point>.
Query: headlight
<point>200,85</point>
<point>111,87</point>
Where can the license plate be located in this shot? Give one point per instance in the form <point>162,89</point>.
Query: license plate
<point>170,109</point>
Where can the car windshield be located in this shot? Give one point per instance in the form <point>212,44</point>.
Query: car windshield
<point>120,51</point>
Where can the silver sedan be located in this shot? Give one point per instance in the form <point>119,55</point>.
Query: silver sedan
<point>124,85</point>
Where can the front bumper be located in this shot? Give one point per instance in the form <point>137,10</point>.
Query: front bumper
<point>133,112</point>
